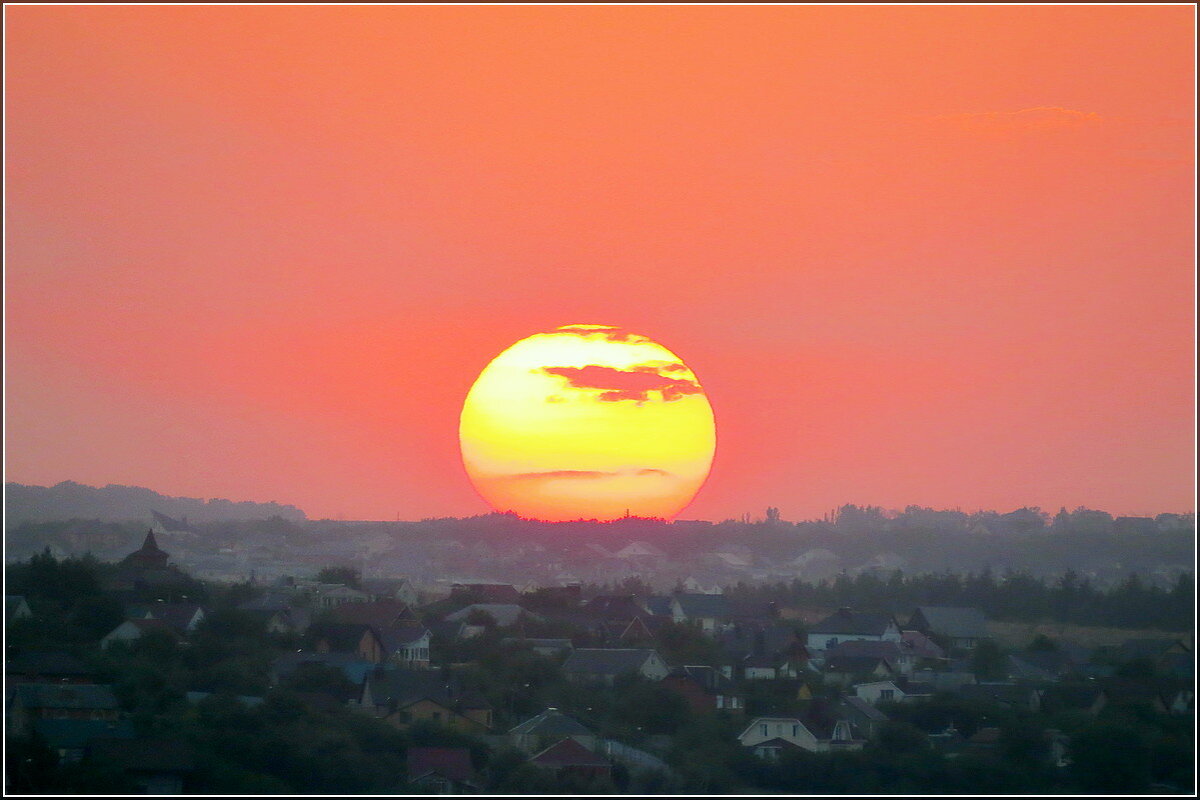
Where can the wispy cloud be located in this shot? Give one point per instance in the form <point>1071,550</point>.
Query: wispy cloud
<point>627,384</point>
<point>609,332</point>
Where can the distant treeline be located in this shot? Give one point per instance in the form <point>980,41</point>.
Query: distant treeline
<point>112,503</point>
<point>1011,597</point>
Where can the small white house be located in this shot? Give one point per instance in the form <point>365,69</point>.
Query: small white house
<point>879,691</point>
<point>847,625</point>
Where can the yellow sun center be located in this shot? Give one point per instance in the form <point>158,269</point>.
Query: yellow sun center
<point>587,422</point>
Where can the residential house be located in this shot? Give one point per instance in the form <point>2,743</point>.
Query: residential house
<point>847,625</point>
<point>352,666</point>
<point>844,670</point>
<point>705,689</point>
<point>278,614</point>
<point>29,702</point>
<point>569,757</point>
<point>403,697</point>
<point>182,618</point>
<point>399,589</point>
<point>407,644</point>
<point>505,614</point>
<point>770,735</point>
<point>442,770</point>
<point>16,608</point>
<point>356,638</point>
<point>707,611</point>
<point>899,658</point>
<point>862,715</point>
<point>877,692</point>
<point>921,648</point>
<point>1040,665</point>
<point>133,629</point>
<point>593,664</point>
<point>964,628</point>
<point>548,727</point>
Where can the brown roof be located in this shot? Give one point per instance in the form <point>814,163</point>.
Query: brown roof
<point>449,762</point>
<point>568,753</point>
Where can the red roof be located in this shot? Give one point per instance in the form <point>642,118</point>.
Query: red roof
<point>449,762</point>
<point>568,753</point>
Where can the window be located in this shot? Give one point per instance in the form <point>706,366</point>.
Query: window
<point>831,642</point>
<point>795,731</point>
<point>764,729</point>
<point>886,694</point>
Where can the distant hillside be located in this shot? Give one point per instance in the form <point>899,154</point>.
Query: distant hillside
<point>70,500</point>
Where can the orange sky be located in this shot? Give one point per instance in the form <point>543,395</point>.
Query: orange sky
<point>915,254</point>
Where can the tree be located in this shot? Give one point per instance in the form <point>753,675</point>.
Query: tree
<point>1110,759</point>
<point>347,576</point>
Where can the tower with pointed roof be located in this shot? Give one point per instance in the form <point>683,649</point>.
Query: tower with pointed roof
<point>149,556</point>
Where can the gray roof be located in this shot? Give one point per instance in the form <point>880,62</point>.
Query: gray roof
<point>505,614</point>
<point>66,695</point>
<point>854,623</point>
<point>551,722</point>
<point>860,648</point>
<point>657,604</point>
<point>703,605</point>
<point>595,661</point>
<point>856,706</point>
<point>965,623</point>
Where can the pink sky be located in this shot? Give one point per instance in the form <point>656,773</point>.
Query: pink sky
<point>915,254</point>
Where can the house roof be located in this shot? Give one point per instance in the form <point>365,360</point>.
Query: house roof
<point>66,695</point>
<point>952,621</point>
<point>859,648</point>
<point>453,763</point>
<point>12,602</point>
<point>550,722</point>
<point>341,637</point>
<point>858,707</point>
<point>402,687</point>
<point>855,664</point>
<point>703,605</point>
<point>782,744</point>
<point>505,614</point>
<point>74,734</point>
<point>402,634</point>
<point>769,720</point>
<point>176,615</point>
<point>354,668</point>
<point>378,614</point>
<point>656,604</point>
<point>568,753</point>
<point>921,645</point>
<point>854,623</point>
<point>596,661</point>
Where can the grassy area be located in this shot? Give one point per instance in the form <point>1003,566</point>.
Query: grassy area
<point>1020,634</point>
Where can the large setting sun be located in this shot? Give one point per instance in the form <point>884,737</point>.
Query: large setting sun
<point>587,422</point>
